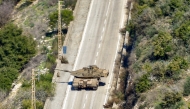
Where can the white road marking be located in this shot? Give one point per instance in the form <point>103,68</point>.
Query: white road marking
<point>92,101</point>
<point>74,100</point>
<point>122,21</point>
<point>86,96</point>
<point>79,50</point>
<point>93,98</point>
<point>84,106</point>
<point>97,54</point>
<point>108,9</point>
<point>104,21</point>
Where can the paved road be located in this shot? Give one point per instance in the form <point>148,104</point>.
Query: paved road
<point>98,46</point>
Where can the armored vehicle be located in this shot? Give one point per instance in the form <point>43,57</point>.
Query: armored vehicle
<point>88,77</point>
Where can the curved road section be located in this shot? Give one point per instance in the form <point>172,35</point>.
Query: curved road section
<point>99,47</point>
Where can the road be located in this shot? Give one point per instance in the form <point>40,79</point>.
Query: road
<point>99,47</point>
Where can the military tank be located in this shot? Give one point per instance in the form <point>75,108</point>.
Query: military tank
<point>88,77</point>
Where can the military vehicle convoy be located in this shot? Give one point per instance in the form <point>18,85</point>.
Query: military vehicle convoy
<point>88,77</point>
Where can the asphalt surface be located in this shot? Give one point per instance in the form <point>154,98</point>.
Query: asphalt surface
<point>74,37</point>
<point>99,47</point>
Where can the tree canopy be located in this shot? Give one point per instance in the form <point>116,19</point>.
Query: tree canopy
<point>15,51</point>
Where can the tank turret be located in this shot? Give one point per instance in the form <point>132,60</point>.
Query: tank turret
<point>91,71</point>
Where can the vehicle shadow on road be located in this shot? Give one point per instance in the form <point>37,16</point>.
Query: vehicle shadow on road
<point>102,83</point>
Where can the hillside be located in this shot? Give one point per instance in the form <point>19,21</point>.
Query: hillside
<point>159,59</point>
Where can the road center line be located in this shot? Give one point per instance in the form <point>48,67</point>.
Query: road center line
<point>95,62</point>
<point>97,54</point>
<point>93,98</point>
<point>84,106</point>
<point>86,96</point>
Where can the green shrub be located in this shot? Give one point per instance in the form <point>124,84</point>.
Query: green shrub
<point>174,4</point>
<point>162,44</point>
<point>66,16</point>
<point>26,104</point>
<point>70,3</point>
<point>183,31</point>
<point>186,87</point>
<point>26,84</point>
<point>143,84</point>
<point>147,2</point>
<point>170,99</point>
<point>176,65</point>
<point>188,105</point>
<point>51,58</point>
<point>45,84</point>
<point>166,10</point>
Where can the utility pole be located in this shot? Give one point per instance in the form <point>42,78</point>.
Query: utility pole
<point>59,36</point>
<point>33,90</point>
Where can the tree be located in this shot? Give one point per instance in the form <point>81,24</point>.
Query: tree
<point>15,51</point>
<point>162,44</point>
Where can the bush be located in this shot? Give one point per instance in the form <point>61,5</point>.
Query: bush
<point>176,65</point>
<point>183,31</point>
<point>162,44</point>
<point>66,16</point>
<point>170,99</point>
<point>174,4</point>
<point>26,104</point>
<point>186,87</point>
<point>70,3</point>
<point>45,84</point>
<point>143,84</point>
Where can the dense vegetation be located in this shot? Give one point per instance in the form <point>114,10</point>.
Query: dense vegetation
<point>66,16</point>
<point>160,37</point>
<point>15,51</point>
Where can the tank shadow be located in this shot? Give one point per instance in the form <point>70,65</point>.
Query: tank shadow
<point>102,83</point>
